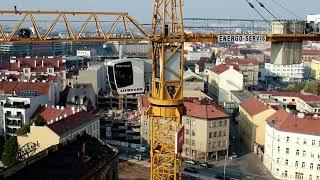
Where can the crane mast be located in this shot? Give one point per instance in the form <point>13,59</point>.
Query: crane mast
<point>166,98</point>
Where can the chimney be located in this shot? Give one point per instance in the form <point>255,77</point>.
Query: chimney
<point>52,106</point>
<point>73,110</point>
<point>58,63</point>
<point>65,115</point>
<point>60,117</point>
<point>46,105</point>
<point>18,63</point>
<point>62,107</point>
<point>51,121</point>
<point>35,63</point>
<point>57,119</point>
<point>83,149</point>
<point>58,107</point>
<point>42,63</point>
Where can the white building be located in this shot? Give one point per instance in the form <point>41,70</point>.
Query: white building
<point>21,102</point>
<point>223,79</point>
<point>292,146</point>
<point>87,53</point>
<point>196,55</point>
<point>288,73</point>
<point>95,74</point>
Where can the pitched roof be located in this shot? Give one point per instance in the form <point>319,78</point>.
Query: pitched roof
<point>222,68</point>
<point>204,111</point>
<point>144,102</point>
<point>283,121</point>
<point>304,97</point>
<point>72,122</point>
<point>17,87</point>
<point>254,106</point>
<point>310,52</point>
<point>238,61</point>
<point>35,63</point>
<point>51,113</point>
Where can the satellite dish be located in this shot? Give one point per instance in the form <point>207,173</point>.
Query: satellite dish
<point>27,151</point>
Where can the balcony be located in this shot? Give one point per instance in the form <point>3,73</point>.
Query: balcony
<point>14,123</point>
<point>17,105</point>
<point>13,117</point>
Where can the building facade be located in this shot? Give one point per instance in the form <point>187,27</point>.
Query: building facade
<point>292,146</point>
<point>286,73</point>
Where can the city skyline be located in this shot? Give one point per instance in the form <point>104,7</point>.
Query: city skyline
<point>200,9</point>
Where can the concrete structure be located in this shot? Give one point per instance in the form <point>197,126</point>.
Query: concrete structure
<point>60,131</point>
<point>96,75</point>
<point>82,96</point>
<point>206,131</point>
<point>292,146</point>
<point>285,53</point>
<point>253,114</point>
<point>220,84</point>
<point>248,67</point>
<point>286,73</point>
<point>84,157</point>
<point>20,100</point>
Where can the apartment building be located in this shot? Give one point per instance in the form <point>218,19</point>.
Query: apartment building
<point>62,130</point>
<point>308,54</point>
<point>19,102</point>
<point>196,55</point>
<point>95,74</point>
<point>220,84</point>
<point>286,73</point>
<point>206,131</point>
<point>192,81</point>
<point>292,146</point>
<point>249,67</point>
<point>253,114</point>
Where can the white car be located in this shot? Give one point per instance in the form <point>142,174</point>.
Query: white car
<point>141,149</point>
<point>191,162</point>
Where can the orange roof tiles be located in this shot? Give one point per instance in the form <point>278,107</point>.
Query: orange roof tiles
<point>17,87</point>
<point>238,61</point>
<point>222,68</point>
<point>254,106</point>
<point>51,113</point>
<point>283,121</point>
<point>35,64</point>
<point>204,111</point>
<point>310,52</point>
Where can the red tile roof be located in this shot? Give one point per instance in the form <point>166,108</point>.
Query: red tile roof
<point>144,102</point>
<point>17,87</point>
<point>204,111</point>
<point>36,64</point>
<point>72,122</point>
<point>222,68</point>
<point>237,61</point>
<point>310,52</point>
<point>254,106</point>
<point>305,98</point>
<point>51,113</point>
<point>283,121</point>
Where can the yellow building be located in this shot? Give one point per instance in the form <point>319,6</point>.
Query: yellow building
<point>61,131</point>
<point>253,115</point>
<point>315,69</point>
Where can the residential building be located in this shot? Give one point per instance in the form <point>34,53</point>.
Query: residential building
<point>20,100</point>
<point>292,146</point>
<point>84,157</point>
<point>76,62</point>
<point>83,96</point>
<point>315,68</point>
<point>54,113</point>
<point>286,73</point>
<point>248,67</point>
<point>206,131</point>
<point>308,54</point>
<point>220,84</point>
<point>57,132</point>
<point>95,74</point>
<point>253,114</point>
<point>296,101</point>
<point>192,81</point>
<point>196,55</point>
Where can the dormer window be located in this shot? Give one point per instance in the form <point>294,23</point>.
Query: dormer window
<point>26,70</point>
<point>50,70</point>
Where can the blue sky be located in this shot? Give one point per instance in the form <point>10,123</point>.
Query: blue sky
<point>141,10</point>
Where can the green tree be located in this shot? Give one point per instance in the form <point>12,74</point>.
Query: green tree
<point>10,151</point>
<point>23,130</point>
<point>39,121</point>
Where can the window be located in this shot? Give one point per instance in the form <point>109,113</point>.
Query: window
<point>278,159</point>
<point>187,141</point>
<point>297,152</point>
<point>193,142</point>
<point>187,121</point>
<point>215,134</point>
<point>303,164</point>
<point>313,142</point>
<point>297,164</point>
<point>318,167</point>
<point>310,177</point>
<point>287,150</point>
<point>193,133</point>
<point>278,149</point>
<point>298,139</point>
<point>304,153</point>
<point>220,123</point>
<point>278,138</point>
<point>288,138</point>
<point>287,162</point>
<point>304,142</point>
<point>312,155</point>
<point>299,175</point>
<point>311,166</point>
<point>285,173</point>
<point>210,134</point>
<point>187,131</point>
<point>284,100</point>
<point>193,122</point>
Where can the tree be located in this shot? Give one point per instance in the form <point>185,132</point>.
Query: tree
<point>23,130</point>
<point>40,121</point>
<point>9,155</point>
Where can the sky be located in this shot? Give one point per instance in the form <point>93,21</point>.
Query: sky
<point>141,10</point>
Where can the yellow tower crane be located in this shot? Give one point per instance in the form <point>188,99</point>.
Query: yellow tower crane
<point>167,37</point>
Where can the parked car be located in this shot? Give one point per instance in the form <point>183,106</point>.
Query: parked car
<point>141,149</point>
<point>205,165</point>
<point>138,157</point>
<point>192,162</point>
<point>233,156</point>
<point>191,170</point>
